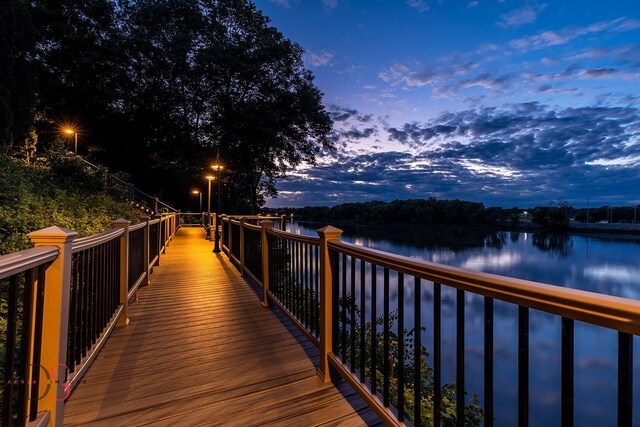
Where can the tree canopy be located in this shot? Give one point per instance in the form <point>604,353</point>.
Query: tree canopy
<point>163,89</point>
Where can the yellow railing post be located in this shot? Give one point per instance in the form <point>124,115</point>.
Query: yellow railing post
<point>159,235</point>
<point>124,268</point>
<point>145,256</point>
<point>55,319</point>
<point>265,224</point>
<point>230,238</point>
<point>163,222</point>
<point>242,245</point>
<point>327,268</point>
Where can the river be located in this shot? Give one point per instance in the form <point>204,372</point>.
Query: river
<point>607,264</point>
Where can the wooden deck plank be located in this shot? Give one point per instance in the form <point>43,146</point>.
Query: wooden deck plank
<point>201,350</point>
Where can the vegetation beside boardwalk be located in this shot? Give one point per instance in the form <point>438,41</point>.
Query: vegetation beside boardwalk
<point>57,190</point>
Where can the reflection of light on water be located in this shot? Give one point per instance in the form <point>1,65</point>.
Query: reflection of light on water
<point>499,260</point>
<point>358,241</point>
<point>526,235</point>
<point>618,273</point>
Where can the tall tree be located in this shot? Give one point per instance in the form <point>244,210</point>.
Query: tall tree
<point>16,88</point>
<point>267,115</point>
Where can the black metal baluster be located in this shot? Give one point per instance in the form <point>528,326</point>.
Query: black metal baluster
<point>385,333</point>
<point>343,310</point>
<point>488,362</point>
<point>417,354</point>
<point>567,372</point>
<point>80,309</point>
<point>625,379</point>
<point>305,286</point>
<point>374,338</point>
<point>352,300</point>
<point>25,341</point>
<point>72,311</point>
<point>362,321</point>
<point>37,344</point>
<point>10,350</point>
<point>437,354</point>
<point>460,357</point>
<point>401,356</point>
<point>523,366</point>
<point>335,283</point>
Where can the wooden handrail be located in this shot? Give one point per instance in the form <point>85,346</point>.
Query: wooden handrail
<point>18,262</point>
<point>95,240</point>
<point>603,310</point>
<point>137,226</point>
<point>295,237</point>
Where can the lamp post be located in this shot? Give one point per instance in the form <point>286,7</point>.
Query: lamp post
<point>209,178</point>
<point>200,193</point>
<point>73,132</point>
<point>216,246</point>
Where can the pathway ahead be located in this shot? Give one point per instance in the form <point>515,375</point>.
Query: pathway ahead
<point>201,349</point>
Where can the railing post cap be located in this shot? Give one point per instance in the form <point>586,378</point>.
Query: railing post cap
<point>53,234</point>
<point>329,232</point>
<point>120,223</point>
<point>265,223</point>
<point>145,218</point>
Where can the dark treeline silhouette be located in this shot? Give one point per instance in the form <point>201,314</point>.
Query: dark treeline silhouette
<point>624,214</point>
<point>414,211</point>
<point>161,90</point>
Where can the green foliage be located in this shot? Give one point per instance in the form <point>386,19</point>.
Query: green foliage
<point>165,87</point>
<point>555,216</point>
<point>35,197</point>
<point>416,211</point>
<point>16,85</point>
<point>473,412</point>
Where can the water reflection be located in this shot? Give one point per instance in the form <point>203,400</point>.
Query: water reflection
<point>605,264</point>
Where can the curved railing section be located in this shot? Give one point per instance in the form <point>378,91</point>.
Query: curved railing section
<point>363,309</point>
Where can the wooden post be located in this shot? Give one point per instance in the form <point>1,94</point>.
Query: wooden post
<point>242,245</point>
<point>55,324</point>
<point>265,224</point>
<point>159,235</point>
<point>166,233</point>
<point>326,234</point>
<point>230,235</point>
<point>124,268</point>
<point>145,256</point>
<point>283,223</point>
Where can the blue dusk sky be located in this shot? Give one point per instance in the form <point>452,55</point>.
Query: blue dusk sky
<point>508,103</point>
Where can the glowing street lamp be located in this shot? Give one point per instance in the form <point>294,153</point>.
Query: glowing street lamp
<point>209,178</point>
<point>70,131</point>
<point>200,193</point>
<point>216,246</point>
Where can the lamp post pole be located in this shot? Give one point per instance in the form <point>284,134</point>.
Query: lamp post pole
<point>216,246</point>
<point>76,143</point>
<point>209,178</point>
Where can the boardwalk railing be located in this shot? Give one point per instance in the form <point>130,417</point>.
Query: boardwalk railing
<point>64,297</point>
<point>363,309</point>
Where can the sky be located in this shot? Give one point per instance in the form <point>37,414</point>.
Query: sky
<point>504,102</point>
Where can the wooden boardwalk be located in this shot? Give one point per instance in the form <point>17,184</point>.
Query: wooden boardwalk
<point>201,350</point>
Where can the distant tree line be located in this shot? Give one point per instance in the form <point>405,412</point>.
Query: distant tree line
<point>625,214</point>
<point>161,89</point>
<point>414,211</point>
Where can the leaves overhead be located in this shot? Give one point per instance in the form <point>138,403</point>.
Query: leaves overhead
<point>163,89</point>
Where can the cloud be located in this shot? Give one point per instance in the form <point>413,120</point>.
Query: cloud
<point>546,39</point>
<point>342,114</point>
<point>283,3</point>
<point>521,154</point>
<point>330,4</point>
<point>419,5</point>
<point>520,16</point>
<point>473,3</point>
<point>318,59</point>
